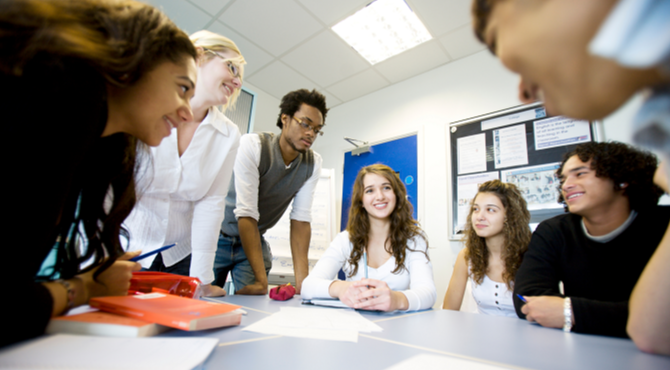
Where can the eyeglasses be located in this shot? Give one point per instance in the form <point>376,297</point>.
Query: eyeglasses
<point>234,69</point>
<point>307,126</point>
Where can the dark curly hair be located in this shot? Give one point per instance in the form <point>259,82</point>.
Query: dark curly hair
<point>481,10</point>
<point>516,230</point>
<point>403,226</point>
<point>292,101</point>
<point>623,164</point>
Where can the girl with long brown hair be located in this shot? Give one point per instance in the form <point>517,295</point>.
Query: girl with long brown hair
<point>83,81</point>
<point>496,237</point>
<point>384,253</point>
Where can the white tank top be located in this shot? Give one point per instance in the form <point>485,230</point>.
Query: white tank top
<point>493,298</point>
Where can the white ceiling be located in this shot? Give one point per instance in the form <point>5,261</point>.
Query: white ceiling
<point>288,44</point>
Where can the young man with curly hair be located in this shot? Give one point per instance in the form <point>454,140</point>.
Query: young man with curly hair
<point>599,249</point>
<point>585,59</point>
<point>271,170</point>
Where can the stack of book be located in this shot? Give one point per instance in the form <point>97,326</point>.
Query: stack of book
<point>146,315</point>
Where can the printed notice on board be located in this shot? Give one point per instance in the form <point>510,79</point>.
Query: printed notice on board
<point>537,184</point>
<point>560,131</point>
<point>466,190</point>
<point>471,154</point>
<point>509,146</point>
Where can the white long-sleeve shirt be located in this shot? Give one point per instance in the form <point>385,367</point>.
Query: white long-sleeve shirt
<point>181,199</point>
<point>247,180</point>
<point>416,282</point>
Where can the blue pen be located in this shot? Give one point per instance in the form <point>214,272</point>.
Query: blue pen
<point>145,255</point>
<point>522,298</point>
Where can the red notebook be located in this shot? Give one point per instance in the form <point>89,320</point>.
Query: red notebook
<point>171,310</point>
<point>103,324</point>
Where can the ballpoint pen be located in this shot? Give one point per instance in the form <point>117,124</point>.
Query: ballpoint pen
<point>145,255</point>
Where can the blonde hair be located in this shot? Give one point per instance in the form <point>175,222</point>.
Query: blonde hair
<point>215,42</point>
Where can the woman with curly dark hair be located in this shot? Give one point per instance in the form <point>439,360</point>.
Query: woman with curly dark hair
<point>496,237</point>
<point>82,81</point>
<point>384,252</point>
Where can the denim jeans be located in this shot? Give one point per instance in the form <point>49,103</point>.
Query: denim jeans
<point>230,256</point>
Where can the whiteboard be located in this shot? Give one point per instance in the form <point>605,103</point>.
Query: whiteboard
<point>323,229</point>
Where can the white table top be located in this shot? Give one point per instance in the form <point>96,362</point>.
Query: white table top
<point>506,342</point>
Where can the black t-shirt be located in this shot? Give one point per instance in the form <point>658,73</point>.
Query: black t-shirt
<point>598,277</point>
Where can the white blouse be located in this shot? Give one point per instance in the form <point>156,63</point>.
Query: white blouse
<point>416,282</point>
<point>181,199</point>
<point>493,298</point>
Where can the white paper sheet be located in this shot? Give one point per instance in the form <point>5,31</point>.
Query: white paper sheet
<point>513,118</point>
<point>64,351</point>
<point>435,362</point>
<point>560,131</point>
<point>510,146</point>
<point>471,153</point>
<point>315,323</point>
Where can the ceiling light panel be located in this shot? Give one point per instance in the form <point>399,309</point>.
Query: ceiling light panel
<point>383,29</point>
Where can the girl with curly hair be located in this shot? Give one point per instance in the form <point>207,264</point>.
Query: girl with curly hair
<point>496,237</point>
<point>384,252</point>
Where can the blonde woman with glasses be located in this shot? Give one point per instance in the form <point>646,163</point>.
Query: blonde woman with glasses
<point>183,184</point>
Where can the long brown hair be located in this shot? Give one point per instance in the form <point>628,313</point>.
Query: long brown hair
<point>121,40</point>
<point>515,228</point>
<point>403,226</point>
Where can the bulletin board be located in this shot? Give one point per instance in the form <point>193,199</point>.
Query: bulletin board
<point>323,231</point>
<point>522,145</point>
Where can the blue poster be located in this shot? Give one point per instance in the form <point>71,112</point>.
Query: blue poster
<point>400,154</point>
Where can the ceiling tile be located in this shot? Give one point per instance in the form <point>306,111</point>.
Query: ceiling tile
<point>211,6</point>
<point>412,62</point>
<point>185,15</point>
<point>359,85</point>
<point>256,57</point>
<point>461,42</point>
<point>325,59</point>
<point>312,54</point>
<point>331,12</point>
<point>441,16</point>
<point>274,25</point>
<point>277,79</point>
<point>331,100</point>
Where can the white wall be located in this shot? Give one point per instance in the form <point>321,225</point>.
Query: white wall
<point>427,103</point>
<point>267,110</point>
